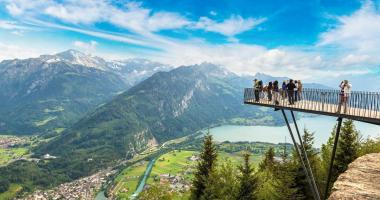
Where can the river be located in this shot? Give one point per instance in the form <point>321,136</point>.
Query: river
<point>101,196</point>
<point>142,183</point>
<point>320,125</point>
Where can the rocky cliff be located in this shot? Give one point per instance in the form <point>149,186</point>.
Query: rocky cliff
<point>360,181</point>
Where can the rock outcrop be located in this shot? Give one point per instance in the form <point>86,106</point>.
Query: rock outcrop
<point>360,181</point>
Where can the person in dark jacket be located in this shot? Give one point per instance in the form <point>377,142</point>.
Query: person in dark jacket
<point>283,90</point>
<point>256,88</point>
<point>290,88</point>
<point>276,92</point>
<point>261,89</point>
<point>269,90</point>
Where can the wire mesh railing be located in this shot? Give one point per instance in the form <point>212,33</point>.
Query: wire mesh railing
<point>356,103</point>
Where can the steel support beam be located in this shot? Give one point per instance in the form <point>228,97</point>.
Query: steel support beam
<point>308,166</point>
<point>299,155</point>
<point>333,156</point>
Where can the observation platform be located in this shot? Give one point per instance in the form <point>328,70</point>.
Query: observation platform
<point>360,106</point>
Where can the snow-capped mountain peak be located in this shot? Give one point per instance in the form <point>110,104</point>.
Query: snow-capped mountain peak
<point>79,58</point>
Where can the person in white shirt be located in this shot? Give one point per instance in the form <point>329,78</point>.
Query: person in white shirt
<point>345,91</point>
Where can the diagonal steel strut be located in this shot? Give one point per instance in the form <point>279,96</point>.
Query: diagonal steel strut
<point>316,197</point>
<point>333,156</point>
<point>308,166</point>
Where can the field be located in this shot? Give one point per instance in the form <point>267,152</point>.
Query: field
<point>128,179</point>
<point>175,162</point>
<point>8,154</point>
<point>11,193</point>
<point>45,121</point>
<point>237,159</point>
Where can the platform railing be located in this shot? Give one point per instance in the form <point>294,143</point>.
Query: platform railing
<point>358,103</point>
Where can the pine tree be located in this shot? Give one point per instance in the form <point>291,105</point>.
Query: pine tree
<point>205,166</point>
<point>266,176</point>
<point>248,182</point>
<point>284,154</point>
<point>347,151</point>
<point>268,161</point>
<point>302,185</point>
<point>285,181</point>
<point>222,183</point>
<point>347,148</point>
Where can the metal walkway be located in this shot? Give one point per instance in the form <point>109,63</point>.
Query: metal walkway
<point>360,106</point>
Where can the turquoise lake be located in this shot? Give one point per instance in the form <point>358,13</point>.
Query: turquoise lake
<point>321,126</point>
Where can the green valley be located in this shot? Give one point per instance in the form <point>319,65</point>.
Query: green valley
<point>175,165</point>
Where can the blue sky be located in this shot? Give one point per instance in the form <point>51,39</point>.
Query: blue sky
<point>311,39</point>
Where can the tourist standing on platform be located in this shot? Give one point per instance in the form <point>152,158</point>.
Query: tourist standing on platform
<point>283,90</point>
<point>299,90</point>
<point>276,92</point>
<point>296,90</point>
<point>290,89</point>
<point>261,89</point>
<point>269,90</point>
<point>345,91</point>
<point>256,88</point>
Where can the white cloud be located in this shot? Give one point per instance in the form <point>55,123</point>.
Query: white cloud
<point>229,27</point>
<point>356,35</point>
<point>26,7</point>
<point>166,20</point>
<point>352,44</point>
<point>87,47</point>
<point>132,16</point>
<point>11,51</point>
<point>110,36</point>
<point>250,59</point>
<point>12,25</point>
<point>83,11</point>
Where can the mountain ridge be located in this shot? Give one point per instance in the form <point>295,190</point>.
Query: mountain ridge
<point>165,106</point>
<point>53,91</point>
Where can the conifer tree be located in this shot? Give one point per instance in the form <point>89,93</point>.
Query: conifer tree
<point>348,146</point>
<point>205,166</point>
<point>248,181</point>
<point>223,182</point>
<point>347,150</point>
<point>285,181</point>
<point>268,161</point>
<point>302,186</point>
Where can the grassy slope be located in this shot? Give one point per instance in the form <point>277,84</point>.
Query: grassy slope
<point>172,163</point>
<point>11,193</point>
<point>8,154</point>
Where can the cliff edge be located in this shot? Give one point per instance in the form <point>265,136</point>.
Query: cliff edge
<point>360,181</point>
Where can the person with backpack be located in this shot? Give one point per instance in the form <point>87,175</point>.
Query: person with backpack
<point>290,89</point>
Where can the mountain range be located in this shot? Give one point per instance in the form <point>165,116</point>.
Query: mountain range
<point>51,92</point>
<point>165,106</point>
